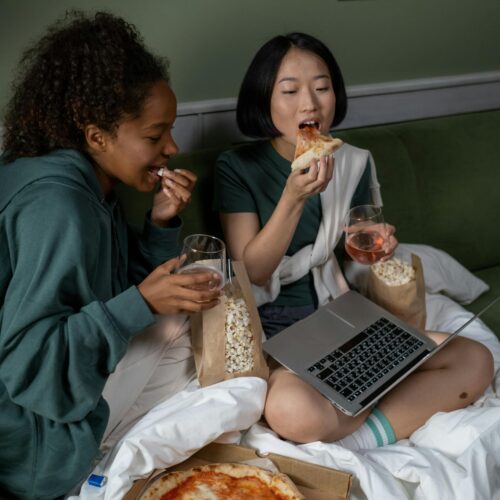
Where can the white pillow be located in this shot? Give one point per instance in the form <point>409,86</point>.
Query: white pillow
<point>442,273</point>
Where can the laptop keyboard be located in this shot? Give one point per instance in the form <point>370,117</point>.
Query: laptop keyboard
<point>355,366</point>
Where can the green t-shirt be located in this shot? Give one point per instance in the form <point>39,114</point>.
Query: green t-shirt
<point>251,178</point>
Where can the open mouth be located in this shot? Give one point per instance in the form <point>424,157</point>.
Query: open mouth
<point>157,171</point>
<point>309,123</point>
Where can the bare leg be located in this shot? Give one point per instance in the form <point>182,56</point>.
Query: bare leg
<point>452,379</point>
<point>297,411</point>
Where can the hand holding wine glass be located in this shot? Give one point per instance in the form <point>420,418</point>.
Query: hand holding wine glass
<point>203,253</point>
<point>166,292</point>
<point>368,238</point>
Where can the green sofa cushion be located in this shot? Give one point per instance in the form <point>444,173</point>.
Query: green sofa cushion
<point>450,163</point>
<point>396,176</point>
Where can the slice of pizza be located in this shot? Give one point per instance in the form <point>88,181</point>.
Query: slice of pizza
<point>222,482</point>
<point>311,144</point>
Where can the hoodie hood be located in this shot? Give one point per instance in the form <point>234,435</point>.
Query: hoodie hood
<point>64,165</point>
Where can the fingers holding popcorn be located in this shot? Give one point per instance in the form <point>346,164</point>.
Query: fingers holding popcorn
<point>179,183</point>
<point>174,195</point>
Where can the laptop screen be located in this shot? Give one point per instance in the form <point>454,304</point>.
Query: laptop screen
<point>462,322</point>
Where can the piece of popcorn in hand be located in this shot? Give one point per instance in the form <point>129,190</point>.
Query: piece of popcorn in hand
<point>239,337</point>
<point>394,272</point>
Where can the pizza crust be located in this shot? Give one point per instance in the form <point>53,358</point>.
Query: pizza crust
<point>311,145</point>
<point>165,483</point>
<point>277,483</point>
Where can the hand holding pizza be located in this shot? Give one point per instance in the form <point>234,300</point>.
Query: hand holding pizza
<point>174,195</point>
<point>312,167</point>
<point>302,184</point>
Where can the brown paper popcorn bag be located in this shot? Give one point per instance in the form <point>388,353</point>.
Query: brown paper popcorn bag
<point>227,339</point>
<point>399,288</point>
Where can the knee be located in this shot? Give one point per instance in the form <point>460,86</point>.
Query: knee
<point>288,419</point>
<point>299,413</point>
<point>476,362</point>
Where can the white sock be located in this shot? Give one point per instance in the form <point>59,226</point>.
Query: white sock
<point>374,432</point>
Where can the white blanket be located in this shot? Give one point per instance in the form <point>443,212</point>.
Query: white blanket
<point>177,428</point>
<point>454,456</point>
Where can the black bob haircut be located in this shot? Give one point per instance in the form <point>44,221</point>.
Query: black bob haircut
<point>253,111</point>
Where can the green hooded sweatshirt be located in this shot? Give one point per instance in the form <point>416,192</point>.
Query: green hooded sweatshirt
<point>68,308</point>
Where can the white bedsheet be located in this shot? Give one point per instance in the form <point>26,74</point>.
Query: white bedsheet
<point>454,456</point>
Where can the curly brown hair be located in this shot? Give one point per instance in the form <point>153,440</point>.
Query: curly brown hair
<point>85,69</point>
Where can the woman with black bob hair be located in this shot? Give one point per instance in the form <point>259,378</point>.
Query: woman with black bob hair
<point>285,226</point>
<point>253,113</point>
<point>82,354</point>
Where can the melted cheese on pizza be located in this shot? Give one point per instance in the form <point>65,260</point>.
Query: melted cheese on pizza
<point>215,486</point>
<point>306,137</point>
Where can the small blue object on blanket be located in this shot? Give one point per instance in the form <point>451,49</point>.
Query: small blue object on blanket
<point>96,480</point>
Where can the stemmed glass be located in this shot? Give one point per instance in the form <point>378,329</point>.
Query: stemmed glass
<point>204,253</point>
<point>366,234</point>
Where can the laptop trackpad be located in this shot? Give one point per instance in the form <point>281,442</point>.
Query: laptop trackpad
<point>317,335</point>
<point>328,329</point>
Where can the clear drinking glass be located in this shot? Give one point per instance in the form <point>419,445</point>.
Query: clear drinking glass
<point>366,234</point>
<point>204,253</point>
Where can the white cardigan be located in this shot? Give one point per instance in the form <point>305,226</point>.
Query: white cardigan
<point>329,282</point>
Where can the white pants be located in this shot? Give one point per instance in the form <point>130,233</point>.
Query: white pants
<point>158,364</point>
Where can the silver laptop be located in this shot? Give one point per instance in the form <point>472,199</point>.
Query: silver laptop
<point>354,351</point>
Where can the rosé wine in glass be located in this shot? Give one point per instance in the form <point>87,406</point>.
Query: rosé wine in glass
<point>366,234</point>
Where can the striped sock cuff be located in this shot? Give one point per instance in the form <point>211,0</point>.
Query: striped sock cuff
<point>373,427</point>
<point>381,428</point>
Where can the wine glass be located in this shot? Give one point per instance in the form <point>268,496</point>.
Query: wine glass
<point>366,234</point>
<point>204,253</point>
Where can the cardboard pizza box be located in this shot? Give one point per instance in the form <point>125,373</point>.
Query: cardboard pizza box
<point>316,482</point>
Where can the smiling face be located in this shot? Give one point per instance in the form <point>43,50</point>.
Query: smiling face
<point>140,146</point>
<point>302,93</point>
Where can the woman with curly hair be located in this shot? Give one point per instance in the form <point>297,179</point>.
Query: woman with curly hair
<point>92,107</point>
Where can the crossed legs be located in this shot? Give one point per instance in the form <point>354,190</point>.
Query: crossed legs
<point>452,379</point>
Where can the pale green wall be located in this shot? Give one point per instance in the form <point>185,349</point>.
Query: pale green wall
<point>210,42</point>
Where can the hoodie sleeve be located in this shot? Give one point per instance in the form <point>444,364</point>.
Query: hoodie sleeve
<point>154,246</point>
<point>63,330</point>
